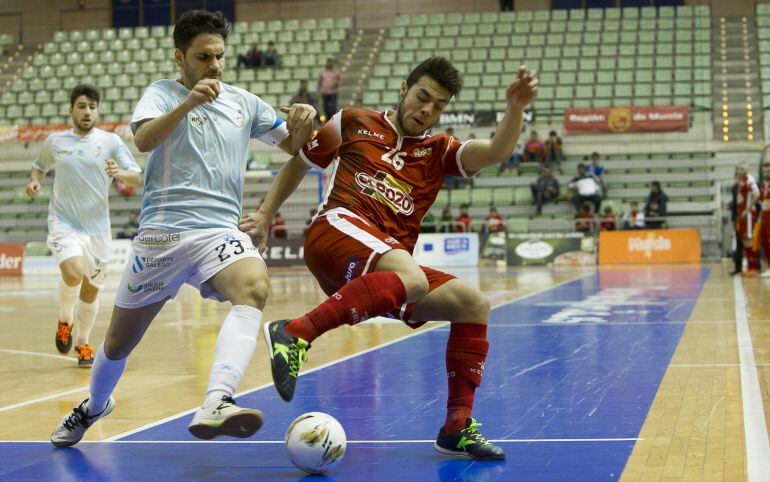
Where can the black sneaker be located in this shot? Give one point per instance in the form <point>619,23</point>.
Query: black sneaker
<point>468,442</point>
<point>287,354</point>
<point>64,337</point>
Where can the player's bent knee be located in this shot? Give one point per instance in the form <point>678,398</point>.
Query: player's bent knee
<point>475,307</point>
<point>115,349</point>
<point>416,284</point>
<point>253,292</point>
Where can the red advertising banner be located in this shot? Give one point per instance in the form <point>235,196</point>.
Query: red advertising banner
<point>11,257</point>
<point>619,120</point>
<point>39,133</point>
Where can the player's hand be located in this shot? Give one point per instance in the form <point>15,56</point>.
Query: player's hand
<point>112,169</point>
<point>299,117</point>
<point>522,90</point>
<point>255,225</point>
<point>32,189</point>
<point>206,90</point>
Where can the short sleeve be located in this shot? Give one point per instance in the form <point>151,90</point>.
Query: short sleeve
<point>45,158</point>
<point>323,148</point>
<point>153,104</point>
<point>451,159</point>
<point>267,126</point>
<point>123,156</point>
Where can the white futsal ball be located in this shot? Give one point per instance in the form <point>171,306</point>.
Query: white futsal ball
<point>315,442</point>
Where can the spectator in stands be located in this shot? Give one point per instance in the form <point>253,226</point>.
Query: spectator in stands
<point>534,149</point>
<point>271,57</point>
<point>608,220</point>
<point>634,217</point>
<point>545,189</point>
<point>251,59</point>
<point>303,95</point>
<point>131,228</point>
<point>277,228</point>
<point>329,80</point>
<point>585,187</point>
<point>495,222</point>
<point>553,151</point>
<point>656,206</point>
<point>584,220</point>
<point>738,253</point>
<point>597,170</point>
<point>428,224</point>
<point>447,221</point>
<point>506,5</point>
<point>452,182</point>
<point>463,222</point>
<point>309,221</point>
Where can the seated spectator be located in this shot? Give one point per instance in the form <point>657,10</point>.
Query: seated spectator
<point>271,57</point>
<point>633,218</point>
<point>553,151</point>
<point>512,163</point>
<point>251,59</point>
<point>597,170</point>
<point>277,228</point>
<point>463,222</point>
<point>309,221</point>
<point>656,207</point>
<point>428,224</point>
<point>303,95</point>
<point>585,187</point>
<point>608,221</point>
<point>534,149</point>
<point>131,228</point>
<point>584,220</point>
<point>447,221</point>
<point>545,189</point>
<point>495,222</point>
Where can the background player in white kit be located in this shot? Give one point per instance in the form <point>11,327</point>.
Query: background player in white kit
<point>198,130</point>
<point>86,160</point>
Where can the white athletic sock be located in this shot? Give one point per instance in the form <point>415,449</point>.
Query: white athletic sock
<point>84,320</point>
<point>68,295</point>
<point>235,345</point>
<point>105,374</point>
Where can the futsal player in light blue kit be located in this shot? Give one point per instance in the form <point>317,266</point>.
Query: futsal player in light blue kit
<point>197,130</point>
<point>86,161</point>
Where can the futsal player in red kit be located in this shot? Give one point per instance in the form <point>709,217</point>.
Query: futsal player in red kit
<point>748,193</point>
<point>386,175</point>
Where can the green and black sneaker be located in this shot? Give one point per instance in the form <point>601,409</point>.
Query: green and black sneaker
<point>287,354</point>
<point>468,442</point>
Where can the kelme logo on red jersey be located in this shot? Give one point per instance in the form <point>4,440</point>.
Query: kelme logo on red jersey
<point>387,190</point>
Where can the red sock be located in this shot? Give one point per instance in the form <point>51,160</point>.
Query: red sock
<point>370,295</point>
<point>751,258</point>
<point>466,352</point>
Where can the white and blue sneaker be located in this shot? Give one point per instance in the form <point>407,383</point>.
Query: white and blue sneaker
<point>73,426</point>
<point>224,417</point>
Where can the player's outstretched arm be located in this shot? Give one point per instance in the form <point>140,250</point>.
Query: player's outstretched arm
<point>482,153</point>
<point>153,132</point>
<point>299,123</point>
<point>36,177</point>
<point>131,178</point>
<point>285,183</point>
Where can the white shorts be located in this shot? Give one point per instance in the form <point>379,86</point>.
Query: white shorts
<point>67,243</point>
<point>161,262</point>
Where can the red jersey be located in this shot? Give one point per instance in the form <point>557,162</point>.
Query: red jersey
<point>764,198</point>
<point>495,223</point>
<point>748,192</point>
<point>384,178</point>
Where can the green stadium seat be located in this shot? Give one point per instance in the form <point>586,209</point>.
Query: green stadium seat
<point>481,196</point>
<point>522,195</point>
<point>460,196</point>
<point>517,225</point>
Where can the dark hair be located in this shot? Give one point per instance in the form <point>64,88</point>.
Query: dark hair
<point>552,133</point>
<point>91,92</point>
<point>439,69</point>
<point>656,184</point>
<point>582,164</point>
<point>594,154</point>
<point>195,22</point>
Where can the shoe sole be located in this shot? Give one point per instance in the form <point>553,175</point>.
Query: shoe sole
<point>464,455</point>
<point>266,332</point>
<point>243,424</point>
<point>70,443</point>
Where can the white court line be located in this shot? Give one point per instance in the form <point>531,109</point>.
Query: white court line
<point>757,443</point>
<point>340,360</point>
<point>712,365</point>
<point>34,353</point>
<point>271,442</point>
<point>43,399</point>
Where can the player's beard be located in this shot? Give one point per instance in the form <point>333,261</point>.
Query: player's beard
<point>82,126</point>
<point>402,123</point>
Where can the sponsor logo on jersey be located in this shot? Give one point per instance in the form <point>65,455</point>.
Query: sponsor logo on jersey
<point>423,152</point>
<point>229,238</point>
<point>197,120</point>
<point>159,241</point>
<point>239,118</point>
<point>312,144</point>
<point>456,245</point>
<point>140,263</point>
<point>351,267</point>
<point>364,132</point>
<point>97,151</point>
<point>152,287</point>
<point>386,189</point>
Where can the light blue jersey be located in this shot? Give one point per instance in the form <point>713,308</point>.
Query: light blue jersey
<point>194,180</point>
<point>81,186</point>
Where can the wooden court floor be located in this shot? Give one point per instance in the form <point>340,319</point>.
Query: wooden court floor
<point>694,429</point>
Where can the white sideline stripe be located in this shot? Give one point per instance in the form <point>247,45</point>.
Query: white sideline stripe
<point>34,353</point>
<point>270,442</point>
<point>340,360</point>
<point>757,443</point>
<point>353,231</point>
<point>43,399</point>
<point>712,365</point>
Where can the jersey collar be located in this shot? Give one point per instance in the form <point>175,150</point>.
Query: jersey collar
<point>387,119</point>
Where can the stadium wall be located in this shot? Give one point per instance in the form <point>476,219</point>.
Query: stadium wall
<point>34,21</point>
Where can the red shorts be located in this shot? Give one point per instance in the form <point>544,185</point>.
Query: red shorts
<point>340,247</point>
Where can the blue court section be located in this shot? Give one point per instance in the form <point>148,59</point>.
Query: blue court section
<point>570,377</point>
